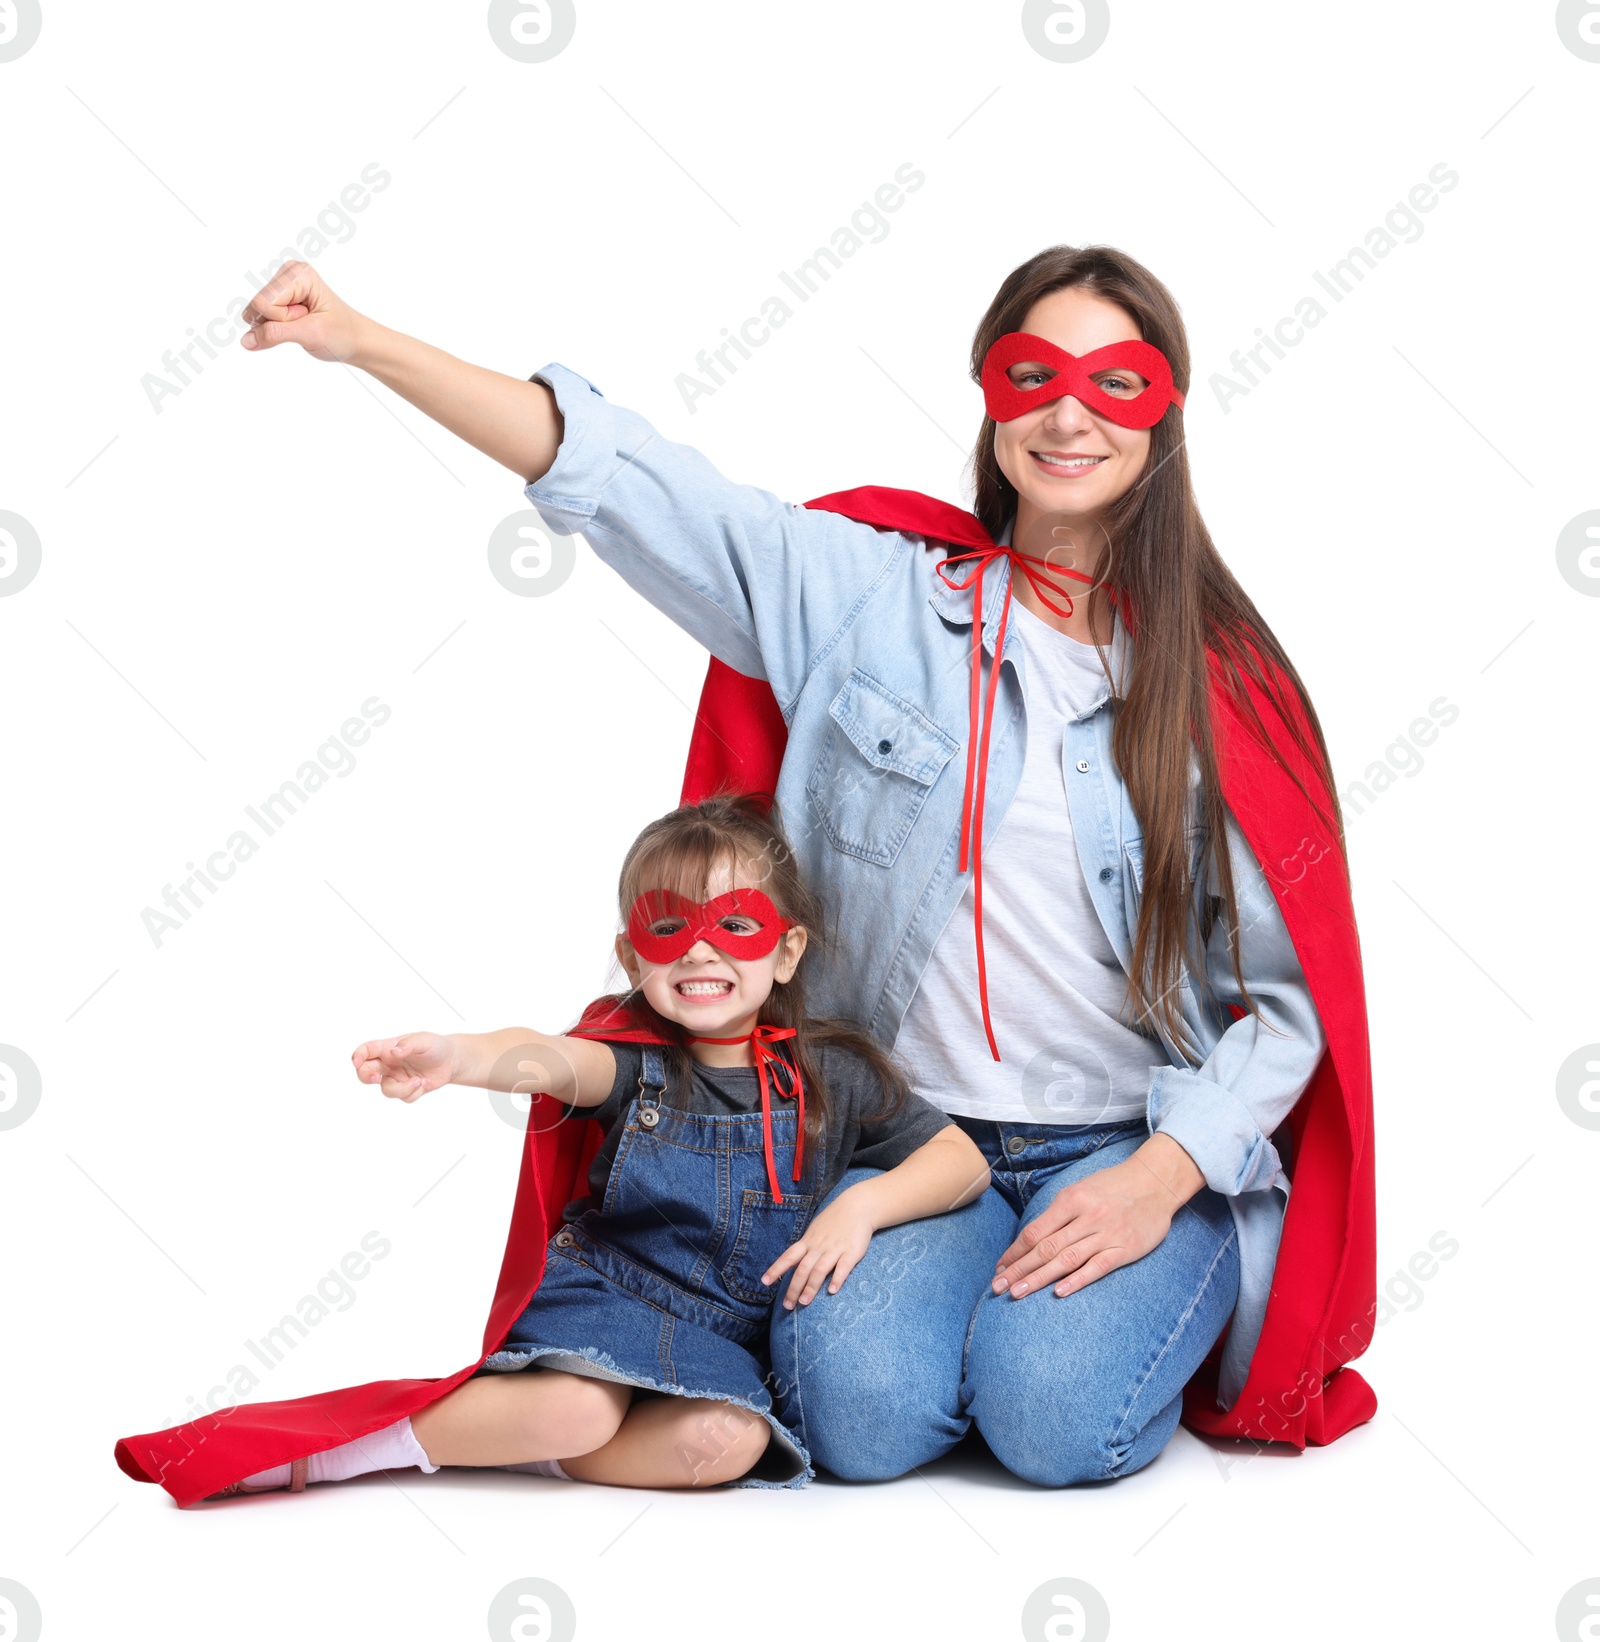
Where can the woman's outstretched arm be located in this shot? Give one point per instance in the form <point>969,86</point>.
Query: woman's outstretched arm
<point>515,422</point>
<point>764,585</point>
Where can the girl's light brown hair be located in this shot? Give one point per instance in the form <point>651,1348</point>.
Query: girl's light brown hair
<point>1184,605</point>
<point>682,851</point>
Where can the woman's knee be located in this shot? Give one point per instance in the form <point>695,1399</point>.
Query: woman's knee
<point>854,1446</point>
<point>1078,1444</point>
<point>866,1409</point>
<point>1056,1409</point>
<point>1090,1387</point>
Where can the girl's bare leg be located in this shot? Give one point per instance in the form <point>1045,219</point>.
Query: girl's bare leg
<point>508,1419</point>
<point>674,1442</point>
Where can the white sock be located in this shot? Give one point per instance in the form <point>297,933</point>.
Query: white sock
<point>394,1448</point>
<point>540,1468</point>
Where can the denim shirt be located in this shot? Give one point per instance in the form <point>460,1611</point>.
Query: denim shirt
<point>868,653</point>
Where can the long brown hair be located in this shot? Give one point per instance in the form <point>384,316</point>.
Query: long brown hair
<point>682,851</point>
<point>1183,606</point>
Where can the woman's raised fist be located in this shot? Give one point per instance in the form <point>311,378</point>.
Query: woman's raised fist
<point>296,306</point>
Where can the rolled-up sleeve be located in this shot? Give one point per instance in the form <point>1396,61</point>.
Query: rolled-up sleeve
<point>1223,1111</point>
<point>763,584</point>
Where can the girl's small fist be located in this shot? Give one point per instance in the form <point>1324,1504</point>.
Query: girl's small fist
<point>406,1067</point>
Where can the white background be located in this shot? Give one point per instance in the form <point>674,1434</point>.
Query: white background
<point>225,581</point>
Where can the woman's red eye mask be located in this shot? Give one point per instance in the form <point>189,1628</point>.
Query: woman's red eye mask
<point>703,920</point>
<point>1074,374</point>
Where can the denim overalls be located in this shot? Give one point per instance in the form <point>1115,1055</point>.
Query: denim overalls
<point>660,1287</point>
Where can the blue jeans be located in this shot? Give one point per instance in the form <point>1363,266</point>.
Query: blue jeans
<point>891,1371</point>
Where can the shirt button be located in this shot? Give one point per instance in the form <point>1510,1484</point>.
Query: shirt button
<point>1015,1145</point>
<point>1106,875</point>
<point>1083,766</point>
<point>885,746</point>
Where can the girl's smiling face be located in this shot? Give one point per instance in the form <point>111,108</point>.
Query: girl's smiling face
<point>707,992</point>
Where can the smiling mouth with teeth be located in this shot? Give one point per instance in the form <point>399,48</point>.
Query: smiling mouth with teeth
<point>1068,464</point>
<point>703,989</point>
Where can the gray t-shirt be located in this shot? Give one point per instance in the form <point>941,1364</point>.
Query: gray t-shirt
<point>855,1137</point>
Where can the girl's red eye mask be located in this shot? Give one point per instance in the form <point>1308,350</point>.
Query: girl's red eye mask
<point>1074,374</point>
<point>703,920</point>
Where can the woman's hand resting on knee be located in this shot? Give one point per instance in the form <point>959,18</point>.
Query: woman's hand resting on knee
<point>1107,1219</point>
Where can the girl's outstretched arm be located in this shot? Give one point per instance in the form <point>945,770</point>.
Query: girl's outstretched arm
<point>513,421</point>
<point>578,1071</point>
<point>943,1173</point>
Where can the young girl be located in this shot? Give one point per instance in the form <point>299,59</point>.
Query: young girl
<point>642,1358</point>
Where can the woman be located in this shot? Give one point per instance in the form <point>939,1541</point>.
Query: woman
<point>1071,945</point>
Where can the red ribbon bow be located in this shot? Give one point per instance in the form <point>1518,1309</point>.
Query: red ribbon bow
<point>761,1041</point>
<point>1041,576</point>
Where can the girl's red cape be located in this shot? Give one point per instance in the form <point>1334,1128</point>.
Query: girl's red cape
<point>1320,1314</point>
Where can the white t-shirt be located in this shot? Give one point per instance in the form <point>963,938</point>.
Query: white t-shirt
<point>1055,985</point>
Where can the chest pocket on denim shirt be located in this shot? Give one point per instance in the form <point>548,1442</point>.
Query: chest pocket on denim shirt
<point>1205,905</point>
<point>1195,837</point>
<point>879,761</point>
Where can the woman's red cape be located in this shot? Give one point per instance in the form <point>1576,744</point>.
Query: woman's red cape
<point>1321,1310</point>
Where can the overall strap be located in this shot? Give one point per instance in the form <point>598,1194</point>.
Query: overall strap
<point>652,1085</point>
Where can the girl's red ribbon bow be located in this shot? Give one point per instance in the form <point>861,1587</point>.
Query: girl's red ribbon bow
<point>761,1041</point>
